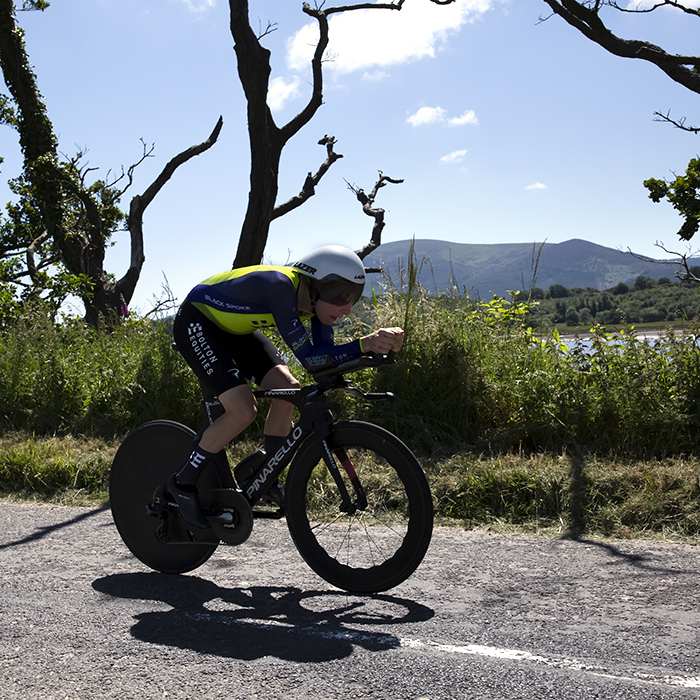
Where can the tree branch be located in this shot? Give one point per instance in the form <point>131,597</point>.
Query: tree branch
<point>31,263</point>
<point>683,272</point>
<point>661,3</point>
<point>679,124</point>
<point>177,161</point>
<point>308,189</point>
<point>127,284</point>
<point>367,201</point>
<point>585,18</point>
<point>321,14</point>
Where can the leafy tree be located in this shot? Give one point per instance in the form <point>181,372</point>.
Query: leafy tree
<point>572,316</point>
<point>54,239</point>
<point>643,282</point>
<point>585,316</point>
<point>683,194</point>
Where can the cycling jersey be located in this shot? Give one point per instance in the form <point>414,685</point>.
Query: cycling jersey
<point>247,299</point>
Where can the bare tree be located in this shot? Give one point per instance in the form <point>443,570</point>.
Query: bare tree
<point>684,270</point>
<point>587,18</point>
<point>367,202</point>
<point>267,139</point>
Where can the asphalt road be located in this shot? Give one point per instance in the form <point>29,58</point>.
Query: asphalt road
<point>486,617</point>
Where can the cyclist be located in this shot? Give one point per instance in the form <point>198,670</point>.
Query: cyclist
<point>218,331</point>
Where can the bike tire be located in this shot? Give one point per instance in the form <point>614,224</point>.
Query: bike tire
<point>144,461</point>
<point>379,547</point>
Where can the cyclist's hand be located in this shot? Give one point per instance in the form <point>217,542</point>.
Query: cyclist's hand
<point>383,340</point>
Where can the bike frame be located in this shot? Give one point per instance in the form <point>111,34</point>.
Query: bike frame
<point>316,418</point>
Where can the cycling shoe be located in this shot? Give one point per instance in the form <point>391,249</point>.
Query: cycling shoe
<point>188,503</point>
<point>274,496</point>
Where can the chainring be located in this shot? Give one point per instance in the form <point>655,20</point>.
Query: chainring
<point>219,502</point>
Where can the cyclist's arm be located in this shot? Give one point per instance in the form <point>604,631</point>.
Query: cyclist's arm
<point>317,351</point>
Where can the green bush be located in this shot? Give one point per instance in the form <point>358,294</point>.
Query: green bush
<point>473,375</point>
<point>68,378</point>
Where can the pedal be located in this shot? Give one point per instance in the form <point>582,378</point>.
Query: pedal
<point>155,508</point>
<point>173,529</point>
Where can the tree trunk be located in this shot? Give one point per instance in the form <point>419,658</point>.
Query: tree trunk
<point>265,141</point>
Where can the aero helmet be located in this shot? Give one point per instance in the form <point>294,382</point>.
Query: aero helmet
<point>334,274</point>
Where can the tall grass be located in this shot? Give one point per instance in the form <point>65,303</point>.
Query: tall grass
<point>473,375</point>
<point>61,379</point>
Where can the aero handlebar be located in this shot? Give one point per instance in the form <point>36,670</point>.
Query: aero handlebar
<point>364,362</point>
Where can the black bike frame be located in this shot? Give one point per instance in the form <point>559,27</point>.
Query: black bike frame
<point>316,418</point>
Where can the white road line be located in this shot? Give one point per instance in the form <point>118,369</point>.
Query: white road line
<point>390,641</point>
<point>517,655</point>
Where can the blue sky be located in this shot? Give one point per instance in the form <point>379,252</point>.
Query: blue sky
<point>505,129</point>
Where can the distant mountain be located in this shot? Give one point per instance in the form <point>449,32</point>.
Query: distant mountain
<point>488,269</point>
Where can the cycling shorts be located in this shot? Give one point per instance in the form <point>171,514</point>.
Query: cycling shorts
<point>222,360</point>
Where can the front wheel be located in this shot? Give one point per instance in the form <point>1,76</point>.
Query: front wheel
<point>382,543</point>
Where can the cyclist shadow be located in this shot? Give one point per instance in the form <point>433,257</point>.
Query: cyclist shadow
<point>256,621</point>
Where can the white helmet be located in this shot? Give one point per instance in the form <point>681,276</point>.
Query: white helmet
<point>334,274</point>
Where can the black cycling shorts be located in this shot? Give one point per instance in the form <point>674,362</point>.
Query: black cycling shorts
<point>221,360</point>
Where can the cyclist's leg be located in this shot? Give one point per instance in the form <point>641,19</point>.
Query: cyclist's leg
<point>239,412</point>
<point>206,350</point>
<point>275,374</point>
<point>278,422</point>
<point>222,363</point>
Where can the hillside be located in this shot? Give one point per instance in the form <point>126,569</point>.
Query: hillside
<point>488,269</point>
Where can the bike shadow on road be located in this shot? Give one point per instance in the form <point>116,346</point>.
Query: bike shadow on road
<point>256,621</point>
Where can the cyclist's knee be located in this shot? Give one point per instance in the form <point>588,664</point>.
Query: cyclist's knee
<point>239,406</point>
<point>279,377</point>
<point>245,414</point>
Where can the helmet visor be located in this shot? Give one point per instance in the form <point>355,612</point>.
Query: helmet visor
<point>338,291</point>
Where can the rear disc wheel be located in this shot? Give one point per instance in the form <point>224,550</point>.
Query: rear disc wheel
<point>143,463</point>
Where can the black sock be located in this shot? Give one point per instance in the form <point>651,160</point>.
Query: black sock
<point>274,442</point>
<point>190,472</point>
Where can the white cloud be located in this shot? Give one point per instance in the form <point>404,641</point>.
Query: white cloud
<point>438,115</point>
<point>365,39</point>
<point>427,115</point>
<point>536,186</point>
<point>469,117</point>
<point>375,76</point>
<point>199,5</point>
<point>454,157</point>
<point>280,91</point>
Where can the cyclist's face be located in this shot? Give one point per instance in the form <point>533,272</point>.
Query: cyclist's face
<point>328,314</point>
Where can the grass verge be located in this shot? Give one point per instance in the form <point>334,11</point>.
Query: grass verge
<point>543,494</point>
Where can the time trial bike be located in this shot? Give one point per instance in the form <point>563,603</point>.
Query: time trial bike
<point>356,501</point>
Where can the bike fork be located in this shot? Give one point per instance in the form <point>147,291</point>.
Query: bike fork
<point>346,504</point>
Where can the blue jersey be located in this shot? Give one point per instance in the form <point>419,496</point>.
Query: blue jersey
<point>247,299</point>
